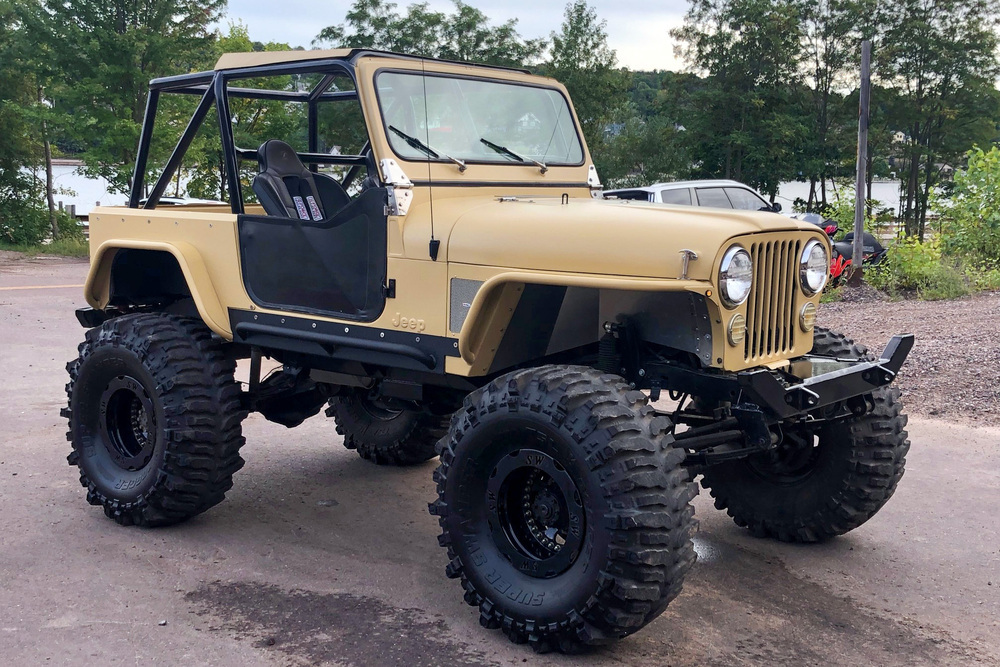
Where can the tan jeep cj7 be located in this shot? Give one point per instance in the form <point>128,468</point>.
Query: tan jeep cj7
<point>425,252</point>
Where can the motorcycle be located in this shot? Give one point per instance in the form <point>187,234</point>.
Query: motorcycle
<point>873,253</point>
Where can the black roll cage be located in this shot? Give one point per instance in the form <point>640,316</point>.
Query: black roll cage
<point>214,87</point>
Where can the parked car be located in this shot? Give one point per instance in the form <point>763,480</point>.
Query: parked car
<point>713,193</point>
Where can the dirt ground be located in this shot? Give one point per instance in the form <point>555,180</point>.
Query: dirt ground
<point>953,371</point>
<point>319,558</point>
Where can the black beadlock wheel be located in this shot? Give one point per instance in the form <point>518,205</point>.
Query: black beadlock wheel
<point>564,507</point>
<point>154,419</point>
<point>387,432</point>
<point>819,483</point>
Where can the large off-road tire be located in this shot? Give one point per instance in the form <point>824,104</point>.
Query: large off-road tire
<point>564,507</point>
<point>387,433</point>
<point>154,419</point>
<point>843,475</point>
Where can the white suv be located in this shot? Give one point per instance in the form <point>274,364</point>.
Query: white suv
<point>714,193</point>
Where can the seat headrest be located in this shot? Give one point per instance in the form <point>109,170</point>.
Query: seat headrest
<point>277,156</point>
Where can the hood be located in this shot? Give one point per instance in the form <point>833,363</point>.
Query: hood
<point>606,237</point>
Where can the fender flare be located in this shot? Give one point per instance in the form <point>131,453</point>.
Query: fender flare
<point>486,302</point>
<point>98,286</point>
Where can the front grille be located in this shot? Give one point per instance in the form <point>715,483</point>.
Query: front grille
<point>770,308</point>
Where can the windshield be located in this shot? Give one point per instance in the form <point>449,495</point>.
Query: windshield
<point>441,117</point>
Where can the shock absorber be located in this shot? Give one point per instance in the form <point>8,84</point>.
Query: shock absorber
<point>609,359</point>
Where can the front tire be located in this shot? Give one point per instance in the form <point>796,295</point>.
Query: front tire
<point>835,479</point>
<point>154,419</point>
<point>564,507</point>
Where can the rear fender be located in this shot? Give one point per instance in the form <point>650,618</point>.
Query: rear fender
<point>97,289</point>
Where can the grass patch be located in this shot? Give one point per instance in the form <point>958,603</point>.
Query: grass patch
<point>831,295</point>
<point>66,247</point>
<point>918,268</point>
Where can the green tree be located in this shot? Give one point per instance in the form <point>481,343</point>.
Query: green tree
<point>109,50</point>
<point>644,151</point>
<point>467,34</point>
<point>582,60</point>
<point>21,221</point>
<point>746,123</point>
<point>829,43</point>
<point>941,58</point>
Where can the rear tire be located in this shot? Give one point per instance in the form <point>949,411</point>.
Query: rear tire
<point>830,486</point>
<point>386,433</point>
<point>564,507</point>
<point>154,419</point>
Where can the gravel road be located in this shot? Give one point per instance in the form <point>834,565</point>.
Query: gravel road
<point>953,371</point>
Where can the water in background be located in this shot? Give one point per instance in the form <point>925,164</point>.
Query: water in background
<point>87,191</point>
<point>885,192</point>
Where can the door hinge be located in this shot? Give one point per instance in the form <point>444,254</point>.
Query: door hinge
<point>389,291</point>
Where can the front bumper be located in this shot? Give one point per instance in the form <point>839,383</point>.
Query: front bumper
<point>809,383</point>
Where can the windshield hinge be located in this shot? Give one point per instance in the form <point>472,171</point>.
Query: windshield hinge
<point>400,190</point>
<point>596,189</point>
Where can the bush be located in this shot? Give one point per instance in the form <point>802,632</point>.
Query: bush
<point>983,277</point>
<point>28,225</point>
<point>22,224</point>
<point>970,216</point>
<point>69,227</point>
<point>921,268</point>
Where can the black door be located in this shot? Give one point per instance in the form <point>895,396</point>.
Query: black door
<point>330,267</point>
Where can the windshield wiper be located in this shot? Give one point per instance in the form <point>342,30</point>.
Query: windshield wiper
<point>503,150</point>
<point>413,142</point>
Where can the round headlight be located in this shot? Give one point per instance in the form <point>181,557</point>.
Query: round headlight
<point>814,267</point>
<point>735,276</point>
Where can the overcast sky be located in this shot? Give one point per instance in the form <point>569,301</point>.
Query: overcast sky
<point>637,30</point>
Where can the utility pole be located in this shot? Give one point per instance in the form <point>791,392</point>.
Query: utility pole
<point>857,252</point>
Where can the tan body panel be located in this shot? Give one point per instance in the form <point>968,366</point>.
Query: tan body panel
<point>206,247</point>
<point>204,244</point>
<point>609,238</point>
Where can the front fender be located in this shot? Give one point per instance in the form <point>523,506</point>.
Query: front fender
<point>496,299</point>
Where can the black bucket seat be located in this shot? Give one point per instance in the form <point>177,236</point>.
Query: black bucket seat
<point>287,189</point>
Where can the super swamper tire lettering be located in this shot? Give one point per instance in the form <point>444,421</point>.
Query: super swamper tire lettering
<point>154,418</point>
<point>564,507</point>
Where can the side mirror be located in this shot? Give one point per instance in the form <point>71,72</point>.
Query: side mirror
<point>776,207</point>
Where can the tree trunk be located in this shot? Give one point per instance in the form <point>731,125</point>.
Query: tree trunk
<point>912,184</point>
<point>53,221</point>
<point>925,198</point>
<point>47,149</point>
<point>222,179</point>
<point>868,184</point>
